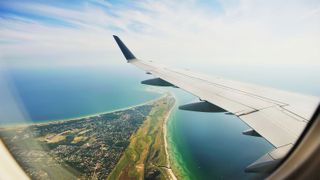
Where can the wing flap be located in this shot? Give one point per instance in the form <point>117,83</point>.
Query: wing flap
<point>275,125</point>
<point>301,105</point>
<point>268,161</point>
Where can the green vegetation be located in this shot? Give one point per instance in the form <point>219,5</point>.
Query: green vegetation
<point>83,148</point>
<point>145,157</point>
<point>125,144</point>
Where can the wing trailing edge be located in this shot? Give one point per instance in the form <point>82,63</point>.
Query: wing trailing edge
<point>269,161</point>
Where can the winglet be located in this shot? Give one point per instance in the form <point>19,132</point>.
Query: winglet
<point>125,51</point>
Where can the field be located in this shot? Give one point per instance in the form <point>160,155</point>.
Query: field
<point>82,148</point>
<point>145,157</point>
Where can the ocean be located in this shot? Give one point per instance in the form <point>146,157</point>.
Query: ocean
<point>202,145</point>
<point>211,145</point>
<point>48,94</point>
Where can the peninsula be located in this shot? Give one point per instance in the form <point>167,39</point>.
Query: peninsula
<point>125,143</point>
<point>146,156</point>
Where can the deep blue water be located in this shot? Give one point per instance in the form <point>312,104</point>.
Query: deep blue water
<point>211,145</point>
<point>61,93</point>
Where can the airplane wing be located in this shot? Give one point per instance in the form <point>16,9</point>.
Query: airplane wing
<point>278,116</point>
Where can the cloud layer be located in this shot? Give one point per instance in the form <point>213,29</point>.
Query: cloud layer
<point>224,32</point>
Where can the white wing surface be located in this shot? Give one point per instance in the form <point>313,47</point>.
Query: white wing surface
<point>278,116</point>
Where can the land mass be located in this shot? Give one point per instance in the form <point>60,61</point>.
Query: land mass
<point>96,147</point>
<point>146,156</point>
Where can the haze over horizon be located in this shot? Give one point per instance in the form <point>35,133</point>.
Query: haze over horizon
<point>61,33</point>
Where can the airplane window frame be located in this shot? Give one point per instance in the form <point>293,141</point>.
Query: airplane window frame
<point>285,168</point>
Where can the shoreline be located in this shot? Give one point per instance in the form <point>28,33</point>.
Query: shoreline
<point>53,121</point>
<point>164,127</point>
<point>169,169</point>
<point>178,169</point>
<point>47,122</point>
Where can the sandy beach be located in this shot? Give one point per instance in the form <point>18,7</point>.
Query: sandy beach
<point>169,170</point>
<point>164,127</point>
<point>57,121</point>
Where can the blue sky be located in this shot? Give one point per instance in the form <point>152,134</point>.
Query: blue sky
<point>73,32</point>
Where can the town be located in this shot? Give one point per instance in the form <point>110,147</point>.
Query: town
<point>82,148</point>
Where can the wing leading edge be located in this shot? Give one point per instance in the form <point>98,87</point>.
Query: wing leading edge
<point>276,115</point>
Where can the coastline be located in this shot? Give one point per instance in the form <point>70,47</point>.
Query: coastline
<point>165,129</point>
<point>24,124</point>
<point>146,156</point>
<point>165,124</point>
<point>57,121</point>
<point>177,165</point>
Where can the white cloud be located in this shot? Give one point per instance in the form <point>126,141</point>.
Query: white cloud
<point>245,32</point>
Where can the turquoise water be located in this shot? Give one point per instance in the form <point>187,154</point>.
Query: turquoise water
<point>211,145</point>
<point>204,145</point>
